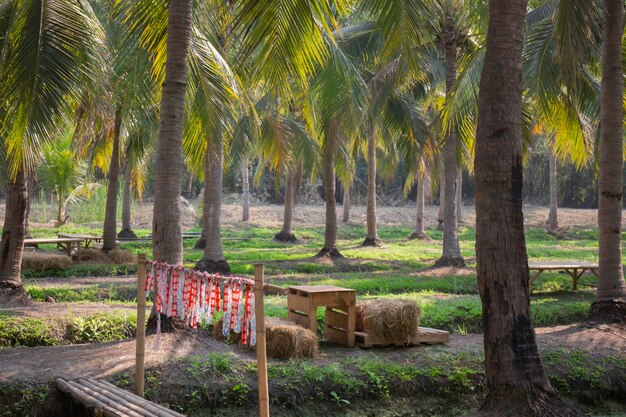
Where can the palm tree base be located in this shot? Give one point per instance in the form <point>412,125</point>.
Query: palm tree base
<point>440,225</point>
<point>168,325</point>
<point>285,237</point>
<point>201,243</point>
<point>457,262</point>
<point>329,253</point>
<point>372,241</point>
<point>522,403</point>
<point>126,234</point>
<point>13,295</point>
<point>419,236</point>
<point>607,311</point>
<point>212,266</point>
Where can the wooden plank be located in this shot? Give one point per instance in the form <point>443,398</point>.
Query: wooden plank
<point>425,335</point>
<point>333,298</point>
<point>299,303</point>
<point>299,318</point>
<point>336,336</point>
<point>336,319</point>
<point>310,289</point>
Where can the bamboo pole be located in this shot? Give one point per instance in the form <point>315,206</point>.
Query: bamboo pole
<point>90,403</point>
<point>113,405</point>
<point>261,355</point>
<point>134,399</point>
<point>141,325</point>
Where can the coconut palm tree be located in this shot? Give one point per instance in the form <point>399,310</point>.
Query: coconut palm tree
<point>611,284</point>
<point>517,384</point>
<point>49,49</point>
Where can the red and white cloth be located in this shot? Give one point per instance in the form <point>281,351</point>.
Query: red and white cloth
<point>196,296</point>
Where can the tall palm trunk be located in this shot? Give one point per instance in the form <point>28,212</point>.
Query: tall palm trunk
<point>611,285</point>
<point>372,238</point>
<point>166,224</point>
<point>110,213</point>
<point>346,202</point>
<point>419,233</point>
<point>12,243</point>
<point>553,219</point>
<point>442,197</point>
<point>459,196</point>
<point>245,185</point>
<point>330,234</point>
<point>127,228</point>
<point>286,233</point>
<point>451,254</point>
<point>213,259</point>
<point>516,381</point>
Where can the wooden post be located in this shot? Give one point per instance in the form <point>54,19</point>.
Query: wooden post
<point>261,355</point>
<point>141,325</point>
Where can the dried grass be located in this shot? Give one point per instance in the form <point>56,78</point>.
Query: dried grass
<point>40,261</point>
<point>394,319</point>
<point>284,339</point>
<point>94,255</point>
<point>120,256</point>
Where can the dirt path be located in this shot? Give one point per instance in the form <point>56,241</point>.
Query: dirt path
<point>40,364</point>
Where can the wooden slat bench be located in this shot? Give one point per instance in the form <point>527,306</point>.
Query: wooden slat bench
<point>105,399</point>
<point>425,335</point>
<point>575,269</point>
<point>71,246</point>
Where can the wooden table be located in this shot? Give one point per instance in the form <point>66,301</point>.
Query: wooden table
<point>70,245</point>
<point>340,317</point>
<point>575,269</point>
<point>87,239</point>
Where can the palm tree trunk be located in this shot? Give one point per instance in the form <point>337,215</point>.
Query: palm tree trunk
<point>213,259</point>
<point>553,220</point>
<point>330,234</point>
<point>372,238</point>
<point>245,216</point>
<point>127,228</point>
<point>12,243</point>
<point>286,233</point>
<point>459,196</point>
<point>166,224</point>
<point>419,233</point>
<point>346,202</point>
<point>516,381</point>
<point>611,285</point>
<point>451,254</point>
<point>110,211</point>
<point>442,197</point>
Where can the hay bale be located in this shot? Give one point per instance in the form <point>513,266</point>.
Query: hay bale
<point>388,319</point>
<point>94,255</point>
<point>284,339</point>
<point>121,256</point>
<point>41,261</point>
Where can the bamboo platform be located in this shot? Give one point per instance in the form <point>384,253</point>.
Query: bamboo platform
<point>101,398</point>
<point>425,335</point>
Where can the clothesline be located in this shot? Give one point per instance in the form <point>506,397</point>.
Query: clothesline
<point>196,296</point>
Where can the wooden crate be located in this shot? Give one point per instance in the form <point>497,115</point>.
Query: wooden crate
<point>425,335</point>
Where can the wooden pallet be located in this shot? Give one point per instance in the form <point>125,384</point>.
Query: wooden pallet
<point>101,398</point>
<point>425,335</point>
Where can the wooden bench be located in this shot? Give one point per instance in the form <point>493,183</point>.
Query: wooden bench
<point>72,246</point>
<point>102,398</point>
<point>87,239</point>
<point>573,268</point>
<point>340,317</point>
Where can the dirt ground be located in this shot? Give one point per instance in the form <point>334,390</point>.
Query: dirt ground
<point>40,364</point>
<point>313,215</point>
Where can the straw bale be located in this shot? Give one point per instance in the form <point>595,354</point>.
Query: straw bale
<point>121,256</point>
<point>393,319</point>
<point>94,255</point>
<point>284,339</point>
<point>41,261</point>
